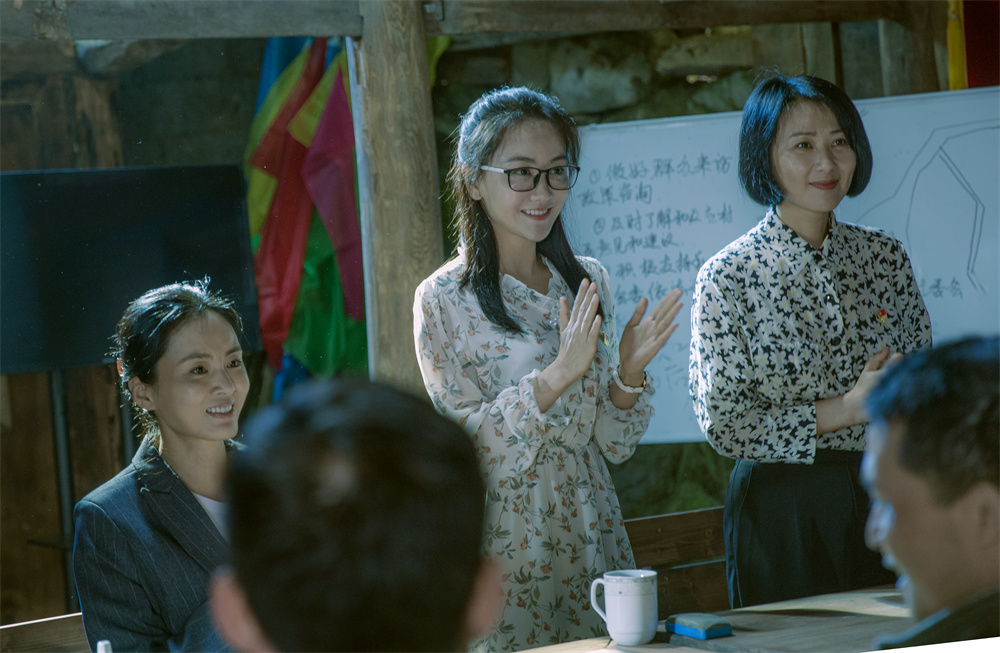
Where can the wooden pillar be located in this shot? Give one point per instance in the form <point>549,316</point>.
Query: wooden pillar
<point>397,180</point>
<point>820,51</point>
<point>907,49</point>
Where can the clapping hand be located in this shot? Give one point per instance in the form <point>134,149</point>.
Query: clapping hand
<point>645,336</point>
<point>579,330</point>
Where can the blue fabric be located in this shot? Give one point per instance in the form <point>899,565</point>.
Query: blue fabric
<point>292,373</point>
<point>278,53</point>
<point>143,556</point>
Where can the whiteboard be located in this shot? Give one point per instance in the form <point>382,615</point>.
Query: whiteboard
<point>656,198</point>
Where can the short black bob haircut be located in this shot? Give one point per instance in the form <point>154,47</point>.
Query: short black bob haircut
<point>762,115</point>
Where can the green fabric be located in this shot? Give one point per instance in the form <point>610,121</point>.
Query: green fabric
<point>436,45</point>
<point>322,337</point>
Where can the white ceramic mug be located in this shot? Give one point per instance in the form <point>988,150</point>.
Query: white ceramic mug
<point>630,599</point>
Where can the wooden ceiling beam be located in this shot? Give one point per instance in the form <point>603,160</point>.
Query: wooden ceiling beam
<point>588,16</point>
<point>129,20</point>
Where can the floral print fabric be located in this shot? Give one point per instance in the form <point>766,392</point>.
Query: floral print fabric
<point>553,522</point>
<point>777,324</point>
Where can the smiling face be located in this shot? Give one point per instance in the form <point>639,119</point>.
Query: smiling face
<point>522,219</point>
<point>812,162</point>
<point>200,383</point>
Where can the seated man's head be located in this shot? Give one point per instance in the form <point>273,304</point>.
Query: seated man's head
<point>931,467</point>
<point>356,515</point>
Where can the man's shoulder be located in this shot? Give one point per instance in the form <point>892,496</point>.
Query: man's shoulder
<point>977,619</point>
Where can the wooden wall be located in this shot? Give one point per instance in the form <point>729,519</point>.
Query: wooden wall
<point>71,120</point>
<point>56,121</point>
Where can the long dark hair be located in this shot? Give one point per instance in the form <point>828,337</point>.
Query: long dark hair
<point>478,137</point>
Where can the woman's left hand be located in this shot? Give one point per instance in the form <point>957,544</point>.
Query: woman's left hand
<point>645,336</point>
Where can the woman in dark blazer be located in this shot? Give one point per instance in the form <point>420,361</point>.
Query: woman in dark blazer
<point>148,540</point>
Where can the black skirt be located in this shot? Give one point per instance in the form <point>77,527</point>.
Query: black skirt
<point>798,530</point>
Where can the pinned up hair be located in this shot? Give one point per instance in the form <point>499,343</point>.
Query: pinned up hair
<point>143,332</point>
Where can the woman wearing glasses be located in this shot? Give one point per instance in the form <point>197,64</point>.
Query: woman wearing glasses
<point>516,340</point>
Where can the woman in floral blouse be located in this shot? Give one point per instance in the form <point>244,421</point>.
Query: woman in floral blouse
<point>791,325</point>
<point>516,340</point>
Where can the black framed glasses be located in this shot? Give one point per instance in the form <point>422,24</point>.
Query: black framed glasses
<point>524,179</point>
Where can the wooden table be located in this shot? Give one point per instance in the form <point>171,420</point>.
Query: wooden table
<point>833,623</point>
<point>838,623</point>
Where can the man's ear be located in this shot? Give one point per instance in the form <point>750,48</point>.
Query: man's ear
<point>484,602</point>
<point>233,617</point>
<point>142,394</point>
<point>982,510</point>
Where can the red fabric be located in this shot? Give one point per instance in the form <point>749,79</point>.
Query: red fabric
<point>328,172</point>
<point>279,257</point>
<point>268,154</point>
<point>281,252</point>
<point>982,41</point>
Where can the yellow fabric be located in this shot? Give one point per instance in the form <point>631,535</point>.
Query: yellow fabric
<point>274,101</point>
<point>261,184</point>
<point>260,192</point>
<point>958,73</point>
<point>303,126</point>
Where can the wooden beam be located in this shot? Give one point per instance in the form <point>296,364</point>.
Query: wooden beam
<point>128,20</point>
<point>907,50</point>
<point>111,58</point>
<point>397,181</point>
<point>586,16</point>
<point>34,57</point>
<point>820,52</point>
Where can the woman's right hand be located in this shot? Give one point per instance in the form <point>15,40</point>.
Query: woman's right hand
<point>579,329</point>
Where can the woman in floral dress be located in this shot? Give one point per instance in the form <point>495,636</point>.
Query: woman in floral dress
<point>791,325</point>
<point>516,341</point>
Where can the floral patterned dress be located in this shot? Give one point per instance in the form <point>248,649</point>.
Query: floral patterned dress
<point>553,522</point>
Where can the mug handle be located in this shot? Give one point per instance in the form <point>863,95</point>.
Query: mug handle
<point>593,597</point>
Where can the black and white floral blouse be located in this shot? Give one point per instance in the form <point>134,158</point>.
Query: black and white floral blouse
<point>777,324</point>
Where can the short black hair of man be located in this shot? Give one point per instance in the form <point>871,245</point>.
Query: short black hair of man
<point>761,116</point>
<point>356,516</point>
<point>948,402</point>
